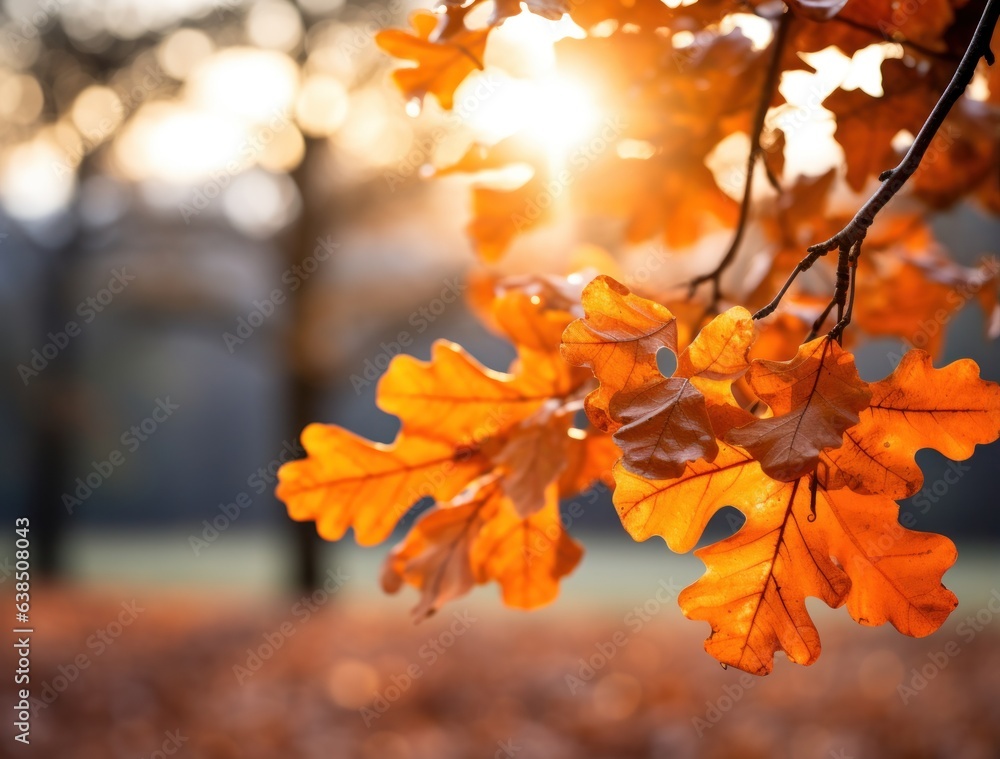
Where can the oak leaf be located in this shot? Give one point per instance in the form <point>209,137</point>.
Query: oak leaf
<point>836,545</point>
<point>618,339</point>
<point>677,419</point>
<point>434,557</point>
<point>347,481</point>
<point>754,590</point>
<point>441,65</point>
<point>527,556</point>
<point>814,397</point>
<point>950,410</point>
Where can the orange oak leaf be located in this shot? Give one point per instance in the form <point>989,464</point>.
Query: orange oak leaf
<point>754,590</point>
<point>478,537</point>
<point>495,450</point>
<point>718,356</point>
<point>455,397</point>
<point>527,556</point>
<point>452,409</point>
<point>618,338</point>
<point>347,481</point>
<point>434,558</point>
<point>950,410</point>
<point>660,423</point>
<point>814,397</point>
<point>649,507</point>
<point>440,65</point>
<point>836,545</point>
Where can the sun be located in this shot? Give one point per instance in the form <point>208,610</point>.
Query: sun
<point>552,108</point>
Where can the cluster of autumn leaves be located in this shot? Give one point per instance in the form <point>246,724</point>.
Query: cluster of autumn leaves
<point>811,455</point>
<point>683,77</point>
<point>680,80</point>
<point>757,415</point>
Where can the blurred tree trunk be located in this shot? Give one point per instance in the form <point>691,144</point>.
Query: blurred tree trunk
<point>50,400</point>
<point>303,392</point>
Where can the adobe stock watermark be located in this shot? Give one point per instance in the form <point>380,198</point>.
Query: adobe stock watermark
<point>931,494</point>
<point>605,650</point>
<point>131,439</point>
<point>28,28</point>
<point>292,278</point>
<point>300,613</point>
<point>249,149</point>
<point>420,319</point>
<point>378,18</point>
<point>920,677</point>
<point>955,299</point>
<point>654,259</point>
<point>262,479</point>
<point>87,310</point>
<point>429,653</point>
<point>126,102</point>
<point>540,545</point>
<point>470,445</point>
<point>97,644</point>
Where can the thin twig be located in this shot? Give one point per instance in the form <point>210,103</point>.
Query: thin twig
<point>766,97</point>
<point>848,240</point>
<point>820,320</point>
<point>804,265</point>
<point>837,333</point>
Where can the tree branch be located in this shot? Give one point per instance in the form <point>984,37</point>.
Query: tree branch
<point>766,97</point>
<point>849,239</point>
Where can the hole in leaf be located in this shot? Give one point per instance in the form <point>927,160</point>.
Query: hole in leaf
<point>666,362</point>
<point>726,522</point>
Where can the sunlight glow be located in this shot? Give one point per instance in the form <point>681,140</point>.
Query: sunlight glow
<point>173,142</point>
<point>808,126</point>
<point>556,112</point>
<point>244,82</point>
<point>34,181</point>
<point>758,30</point>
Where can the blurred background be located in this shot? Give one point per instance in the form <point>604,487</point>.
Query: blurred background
<point>214,229</point>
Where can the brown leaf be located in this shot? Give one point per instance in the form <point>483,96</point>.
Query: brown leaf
<point>814,398</point>
<point>663,426</point>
